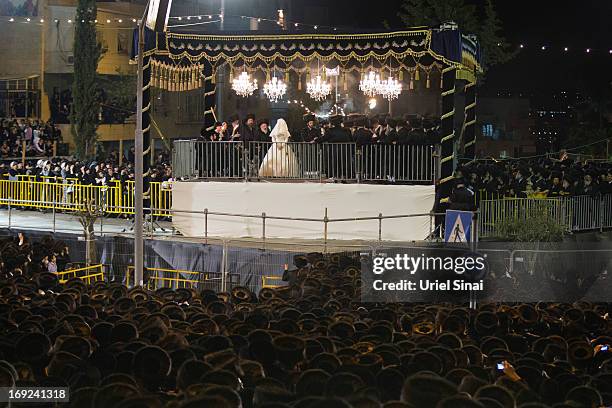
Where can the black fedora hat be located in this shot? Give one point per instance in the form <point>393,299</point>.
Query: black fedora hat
<point>113,394</point>
<point>290,349</point>
<point>33,348</point>
<point>426,390</point>
<point>152,364</point>
<point>124,305</point>
<point>79,346</point>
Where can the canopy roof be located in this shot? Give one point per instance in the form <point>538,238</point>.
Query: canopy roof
<point>398,49</point>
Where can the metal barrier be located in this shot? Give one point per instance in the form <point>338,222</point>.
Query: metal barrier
<point>157,278</point>
<point>87,274</point>
<point>265,281</point>
<point>305,161</point>
<point>415,163</point>
<point>68,195</point>
<point>578,213</point>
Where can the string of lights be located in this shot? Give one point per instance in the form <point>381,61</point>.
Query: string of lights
<point>198,19</point>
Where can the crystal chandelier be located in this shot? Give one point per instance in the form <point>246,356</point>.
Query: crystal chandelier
<point>274,89</point>
<point>390,88</point>
<point>243,85</point>
<point>370,84</point>
<point>318,89</point>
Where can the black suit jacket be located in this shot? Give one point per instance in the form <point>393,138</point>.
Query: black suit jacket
<point>362,137</point>
<point>336,134</point>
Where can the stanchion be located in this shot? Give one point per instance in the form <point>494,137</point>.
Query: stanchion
<point>54,213</point>
<point>263,236</point>
<point>473,248</point>
<point>325,221</point>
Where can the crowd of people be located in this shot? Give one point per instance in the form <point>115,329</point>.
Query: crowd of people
<point>38,135</point>
<point>101,172</point>
<point>310,343</point>
<point>353,128</point>
<point>539,177</point>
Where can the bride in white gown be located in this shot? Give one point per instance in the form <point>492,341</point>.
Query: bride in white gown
<point>280,161</point>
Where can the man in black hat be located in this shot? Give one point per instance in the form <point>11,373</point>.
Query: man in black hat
<point>403,134</point>
<point>234,129</point>
<point>263,130</point>
<point>362,135</point>
<point>309,133</point>
<point>377,128</point>
<point>249,132</point>
<point>389,135</point>
<point>337,153</point>
<point>462,198</point>
<point>234,150</point>
<point>336,133</point>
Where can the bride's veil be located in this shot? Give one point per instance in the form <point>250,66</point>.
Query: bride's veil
<point>280,133</point>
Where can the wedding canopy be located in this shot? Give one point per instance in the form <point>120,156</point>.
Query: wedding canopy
<point>183,61</point>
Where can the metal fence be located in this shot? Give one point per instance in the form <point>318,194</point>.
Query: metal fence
<point>67,195</point>
<point>305,161</point>
<point>578,213</point>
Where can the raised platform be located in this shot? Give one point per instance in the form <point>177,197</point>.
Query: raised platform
<point>298,210</point>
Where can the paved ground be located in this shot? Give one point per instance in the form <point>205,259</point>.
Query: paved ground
<point>60,222</point>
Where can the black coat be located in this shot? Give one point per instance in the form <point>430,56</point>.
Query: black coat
<point>336,134</point>
<point>248,134</point>
<point>404,137</point>
<point>362,137</point>
<point>308,134</point>
<point>389,138</point>
<point>462,199</point>
<point>263,137</point>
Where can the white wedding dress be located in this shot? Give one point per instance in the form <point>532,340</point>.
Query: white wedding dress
<point>280,161</point>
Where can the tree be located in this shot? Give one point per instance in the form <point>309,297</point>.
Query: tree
<point>488,29</point>
<point>86,104</point>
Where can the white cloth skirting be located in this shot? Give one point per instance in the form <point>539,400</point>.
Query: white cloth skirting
<point>280,161</point>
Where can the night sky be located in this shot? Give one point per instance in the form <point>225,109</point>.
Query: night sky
<point>555,24</point>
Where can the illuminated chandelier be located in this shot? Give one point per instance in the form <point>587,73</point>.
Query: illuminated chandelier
<point>390,88</point>
<point>275,89</point>
<point>318,88</point>
<point>243,85</point>
<point>370,84</point>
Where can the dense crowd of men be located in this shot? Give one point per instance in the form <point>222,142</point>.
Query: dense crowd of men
<point>353,128</point>
<point>538,177</point>
<point>311,343</point>
<point>39,137</point>
<point>104,172</point>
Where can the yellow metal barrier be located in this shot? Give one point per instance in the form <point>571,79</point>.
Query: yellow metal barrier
<point>88,274</point>
<point>265,279</point>
<point>169,278</point>
<point>69,195</point>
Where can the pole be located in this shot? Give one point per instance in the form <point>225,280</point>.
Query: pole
<point>222,23</point>
<point>138,177</point>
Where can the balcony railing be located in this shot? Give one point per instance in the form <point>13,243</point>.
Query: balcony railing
<point>305,161</point>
